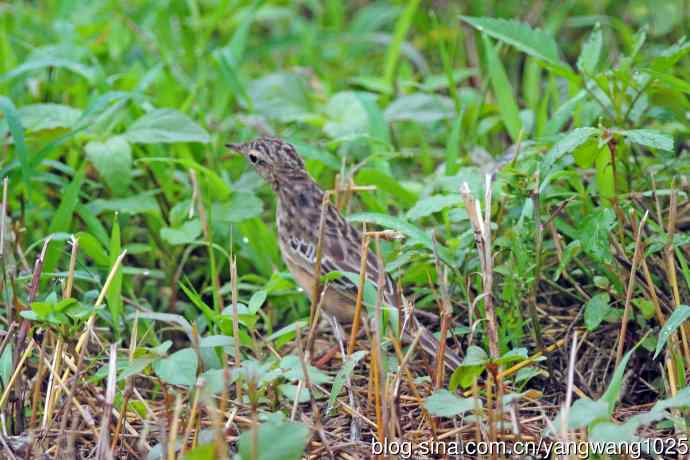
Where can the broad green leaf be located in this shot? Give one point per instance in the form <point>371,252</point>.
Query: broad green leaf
<point>593,232</point>
<point>141,203</point>
<point>650,138</point>
<point>178,368</point>
<point>281,96</point>
<point>113,161</point>
<point>386,183</point>
<point>257,300</point>
<point>291,369</point>
<point>591,51</point>
<point>274,441</point>
<point>430,205</point>
<point>503,92</point>
<point>185,234</point>
<point>342,377</point>
<point>534,42</point>
<point>165,126</point>
<point>242,206</point>
<point>585,411</point>
<point>39,117</point>
<point>596,310</point>
<point>289,390</point>
<point>443,403</point>
<point>54,56</point>
<point>346,116</point>
<point>567,144</point>
<point>677,318</point>
<point>420,107</point>
<point>516,354</point>
<point>610,432</point>
<point>453,146</point>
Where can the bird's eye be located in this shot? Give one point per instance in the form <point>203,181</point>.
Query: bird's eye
<point>253,158</point>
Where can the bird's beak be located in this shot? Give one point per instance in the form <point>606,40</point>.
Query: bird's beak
<point>236,147</point>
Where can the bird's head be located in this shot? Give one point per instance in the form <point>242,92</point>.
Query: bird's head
<point>272,158</point>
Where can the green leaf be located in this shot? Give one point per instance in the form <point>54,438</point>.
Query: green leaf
<point>141,203</point>
<point>274,441</point>
<point>165,126</point>
<point>394,223</point>
<point>242,206</point>
<point>6,367</point>
<point>281,96</point>
<point>443,403</point>
<point>343,376</point>
<point>534,42</point>
<point>178,368</point>
<point>591,51</point>
<point>503,92</point>
<point>113,161</point>
<point>291,368</point>
<point>650,138</point>
<point>114,295</point>
<point>567,144</point>
<point>609,432</point>
<point>93,248</point>
<point>17,130</point>
<point>185,234</point>
<point>386,183</point>
<point>612,393</point>
<point>257,300</point>
<point>54,56</point>
<point>585,411</point>
<point>39,117</point>
<point>471,368</point>
<point>402,25</point>
<point>594,232</point>
<point>346,116</point>
<point>420,108</point>
<point>596,310</point>
<point>677,318</point>
<point>430,205</point>
<point>516,354</point>
<point>605,178</point>
<point>62,219</point>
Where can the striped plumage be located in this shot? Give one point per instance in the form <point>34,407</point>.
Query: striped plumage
<point>298,216</point>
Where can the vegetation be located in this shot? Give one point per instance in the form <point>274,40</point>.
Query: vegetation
<point>533,156</point>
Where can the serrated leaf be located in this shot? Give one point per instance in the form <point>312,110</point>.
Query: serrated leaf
<point>591,51</point>
<point>534,42</point>
<point>165,126</point>
<point>677,318</point>
<point>113,161</point>
<point>650,138</point>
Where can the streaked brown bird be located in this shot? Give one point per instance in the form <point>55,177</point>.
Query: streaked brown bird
<point>299,211</point>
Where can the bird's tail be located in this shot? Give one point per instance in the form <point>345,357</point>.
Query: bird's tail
<point>430,345</point>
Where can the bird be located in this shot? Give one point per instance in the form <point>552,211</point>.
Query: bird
<point>298,213</point>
